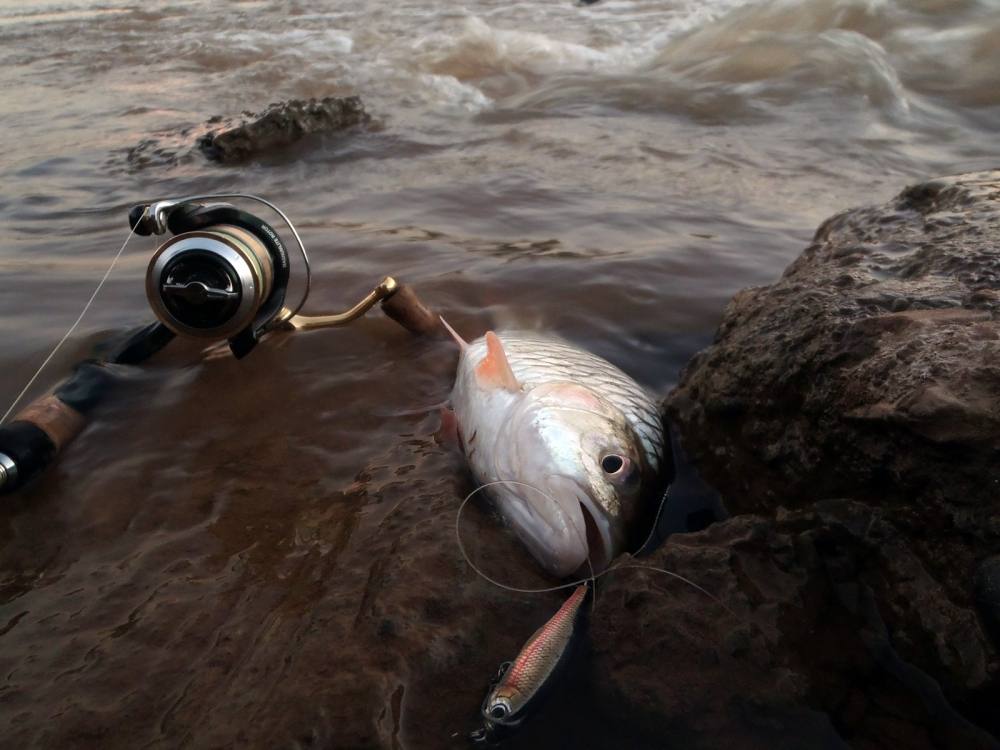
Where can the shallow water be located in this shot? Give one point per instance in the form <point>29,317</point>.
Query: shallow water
<point>611,173</point>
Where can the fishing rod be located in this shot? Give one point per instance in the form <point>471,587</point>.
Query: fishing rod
<point>222,276</point>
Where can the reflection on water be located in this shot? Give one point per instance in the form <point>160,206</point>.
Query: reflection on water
<point>258,549</point>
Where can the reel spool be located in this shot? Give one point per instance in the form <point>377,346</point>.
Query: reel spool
<point>222,276</point>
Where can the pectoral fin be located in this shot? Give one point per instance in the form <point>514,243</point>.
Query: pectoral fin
<point>494,371</point>
<point>448,433</point>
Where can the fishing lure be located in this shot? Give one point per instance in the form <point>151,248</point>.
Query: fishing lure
<point>520,685</point>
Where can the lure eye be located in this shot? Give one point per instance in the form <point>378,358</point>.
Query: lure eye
<point>498,711</point>
<point>612,464</point>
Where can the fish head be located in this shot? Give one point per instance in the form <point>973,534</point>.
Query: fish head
<point>501,704</point>
<point>580,476</point>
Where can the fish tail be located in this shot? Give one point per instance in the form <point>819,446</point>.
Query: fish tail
<point>462,343</point>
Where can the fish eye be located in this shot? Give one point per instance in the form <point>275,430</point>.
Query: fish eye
<point>612,464</point>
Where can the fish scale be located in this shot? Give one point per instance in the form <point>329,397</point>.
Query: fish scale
<point>538,359</point>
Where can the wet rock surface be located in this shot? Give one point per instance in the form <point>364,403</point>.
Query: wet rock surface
<point>281,125</point>
<point>853,408</point>
<point>231,140</point>
<point>295,615</point>
<point>870,369</point>
<point>839,636</point>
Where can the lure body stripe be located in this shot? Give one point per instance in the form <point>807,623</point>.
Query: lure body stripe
<point>538,659</point>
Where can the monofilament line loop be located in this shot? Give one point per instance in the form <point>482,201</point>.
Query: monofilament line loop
<point>483,575</point>
<point>592,579</point>
<point>72,328</point>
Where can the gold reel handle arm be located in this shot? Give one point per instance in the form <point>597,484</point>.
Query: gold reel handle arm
<point>399,302</point>
<point>386,288</point>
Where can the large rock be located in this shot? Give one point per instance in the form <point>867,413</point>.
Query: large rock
<point>870,371</point>
<point>838,634</point>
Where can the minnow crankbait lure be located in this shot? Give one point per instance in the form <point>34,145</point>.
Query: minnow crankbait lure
<point>520,684</point>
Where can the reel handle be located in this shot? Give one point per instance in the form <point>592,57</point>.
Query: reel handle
<point>399,302</point>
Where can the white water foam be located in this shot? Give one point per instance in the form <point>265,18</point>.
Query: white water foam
<point>609,39</point>
<point>306,42</point>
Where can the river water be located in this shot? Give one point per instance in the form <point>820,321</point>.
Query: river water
<point>613,173</point>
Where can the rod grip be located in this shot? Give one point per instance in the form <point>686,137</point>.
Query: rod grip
<point>34,438</point>
<point>53,416</point>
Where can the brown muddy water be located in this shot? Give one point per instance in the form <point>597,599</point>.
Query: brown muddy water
<point>203,567</point>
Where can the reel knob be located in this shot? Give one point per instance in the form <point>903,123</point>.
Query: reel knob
<point>200,289</point>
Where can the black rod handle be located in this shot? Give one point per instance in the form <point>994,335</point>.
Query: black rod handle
<point>37,434</point>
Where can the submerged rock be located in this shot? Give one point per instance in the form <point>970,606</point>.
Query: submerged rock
<point>870,371</point>
<point>281,125</point>
<point>234,139</point>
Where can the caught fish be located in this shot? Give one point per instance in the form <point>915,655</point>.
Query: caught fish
<point>576,445</point>
<point>520,684</point>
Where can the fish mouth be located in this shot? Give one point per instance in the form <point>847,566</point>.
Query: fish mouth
<point>563,528</point>
<point>598,541</point>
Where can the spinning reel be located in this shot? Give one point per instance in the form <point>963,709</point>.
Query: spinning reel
<point>223,275</point>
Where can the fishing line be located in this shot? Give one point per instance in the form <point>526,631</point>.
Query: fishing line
<point>73,327</point>
<point>465,554</point>
<point>709,594</point>
<point>592,579</point>
<point>656,523</point>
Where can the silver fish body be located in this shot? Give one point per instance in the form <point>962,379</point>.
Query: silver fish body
<point>578,444</point>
